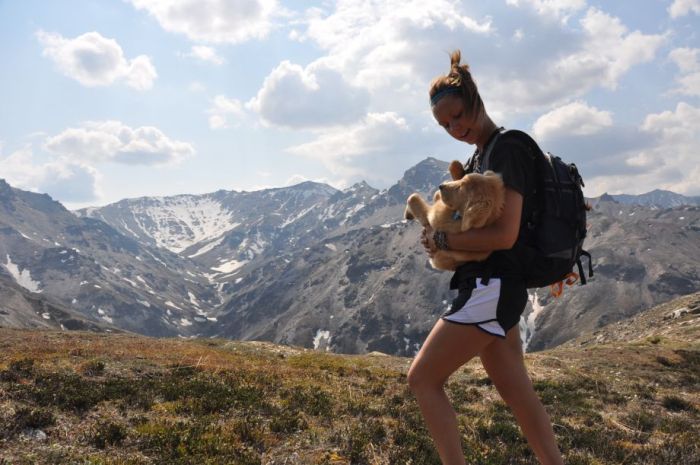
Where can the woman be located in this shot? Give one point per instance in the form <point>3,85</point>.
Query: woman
<point>483,319</point>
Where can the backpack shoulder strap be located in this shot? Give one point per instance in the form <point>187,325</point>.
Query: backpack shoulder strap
<point>486,157</point>
<point>511,135</point>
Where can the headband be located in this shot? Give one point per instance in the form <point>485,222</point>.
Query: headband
<point>443,92</point>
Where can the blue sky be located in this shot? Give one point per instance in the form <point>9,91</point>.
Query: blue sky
<point>103,100</point>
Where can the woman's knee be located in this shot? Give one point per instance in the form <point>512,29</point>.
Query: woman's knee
<point>420,379</point>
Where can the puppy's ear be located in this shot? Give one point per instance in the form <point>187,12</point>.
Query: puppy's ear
<point>456,170</point>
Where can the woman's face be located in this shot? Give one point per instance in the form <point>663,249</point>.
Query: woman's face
<point>450,113</point>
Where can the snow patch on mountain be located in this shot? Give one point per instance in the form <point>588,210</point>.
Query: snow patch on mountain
<point>529,322</point>
<point>178,222</point>
<point>23,277</point>
<point>230,266</point>
<point>211,245</point>
<point>322,340</point>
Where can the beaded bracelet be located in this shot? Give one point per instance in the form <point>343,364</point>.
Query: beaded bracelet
<point>440,239</point>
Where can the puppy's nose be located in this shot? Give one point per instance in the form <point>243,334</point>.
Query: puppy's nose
<point>441,187</point>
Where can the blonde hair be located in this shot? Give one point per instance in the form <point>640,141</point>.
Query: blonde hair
<point>460,79</point>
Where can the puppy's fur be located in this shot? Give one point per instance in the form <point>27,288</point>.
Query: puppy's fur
<point>469,201</point>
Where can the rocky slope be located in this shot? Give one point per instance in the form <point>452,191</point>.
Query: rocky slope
<point>641,257</point>
<point>314,266</point>
<point>90,268</point>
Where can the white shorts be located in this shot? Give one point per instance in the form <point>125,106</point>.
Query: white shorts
<point>494,308</point>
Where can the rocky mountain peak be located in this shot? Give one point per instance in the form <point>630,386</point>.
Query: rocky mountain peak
<point>424,177</point>
<point>607,198</point>
<point>5,189</point>
<point>313,187</point>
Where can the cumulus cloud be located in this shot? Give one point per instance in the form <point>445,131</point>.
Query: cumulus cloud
<point>216,21</point>
<point>675,127</point>
<point>221,109</point>
<point>689,65</point>
<point>94,60</point>
<point>206,54</point>
<point>311,97</point>
<point>376,149</point>
<point>683,7</point>
<point>394,49</point>
<point>559,9</point>
<point>63,179</point>
<point>606,51</point>
<point>380,44</point>
<point>577,118</point>
<point>377,132</point>
<point>667,158</point>
<point>103,141</point>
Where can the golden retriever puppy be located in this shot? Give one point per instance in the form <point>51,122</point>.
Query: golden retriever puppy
<point>469,201</point>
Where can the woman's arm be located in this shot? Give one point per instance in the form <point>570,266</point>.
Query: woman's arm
<point>500,235</point>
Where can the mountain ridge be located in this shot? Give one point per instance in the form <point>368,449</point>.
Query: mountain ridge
<point>320,267</point>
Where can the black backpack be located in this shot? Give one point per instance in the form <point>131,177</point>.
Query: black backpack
<point>557,226</point>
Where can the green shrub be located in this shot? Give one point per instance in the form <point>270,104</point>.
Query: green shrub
<point>17,370</point>
<point>107,433</point>
<point>66,391</point>
<point>641,421</point>
<point>26,417</point>
<point>309,400</point>
<point>287,421</point>
<point>92,368</point>
<point>676,404</point>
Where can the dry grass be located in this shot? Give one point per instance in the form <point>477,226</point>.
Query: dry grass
<point>122,399</point>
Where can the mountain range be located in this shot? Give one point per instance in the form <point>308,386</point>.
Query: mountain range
<point>308,265</point>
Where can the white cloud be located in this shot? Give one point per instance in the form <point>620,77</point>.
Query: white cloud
<point>671,161</point>
<point>103,141</point>
<point>683,7</point>
<point>94,60</point>
<point>687,60</point>
<point>217,21</point>
<point>376,133</point>
<point>675,127</point>
<point>63,179</point>
<point>206,54</point>
<point>391,43</point>
<point>690,84</point>
<point>223,107</point>
<point>559,9</point>
<point>576,118</point>
<point>606,51</point>
<point>295,179</point>
<point>394,49</point>
<point>311,97</point>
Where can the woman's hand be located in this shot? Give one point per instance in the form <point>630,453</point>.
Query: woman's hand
<point>426,239</point>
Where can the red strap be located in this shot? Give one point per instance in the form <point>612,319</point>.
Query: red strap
<point>558,288</point>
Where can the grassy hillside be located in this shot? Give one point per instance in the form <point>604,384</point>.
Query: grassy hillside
<point>85,398</point>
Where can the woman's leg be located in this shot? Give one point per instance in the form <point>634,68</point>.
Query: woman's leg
<point>448,347</point>
<point>505,365</point>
